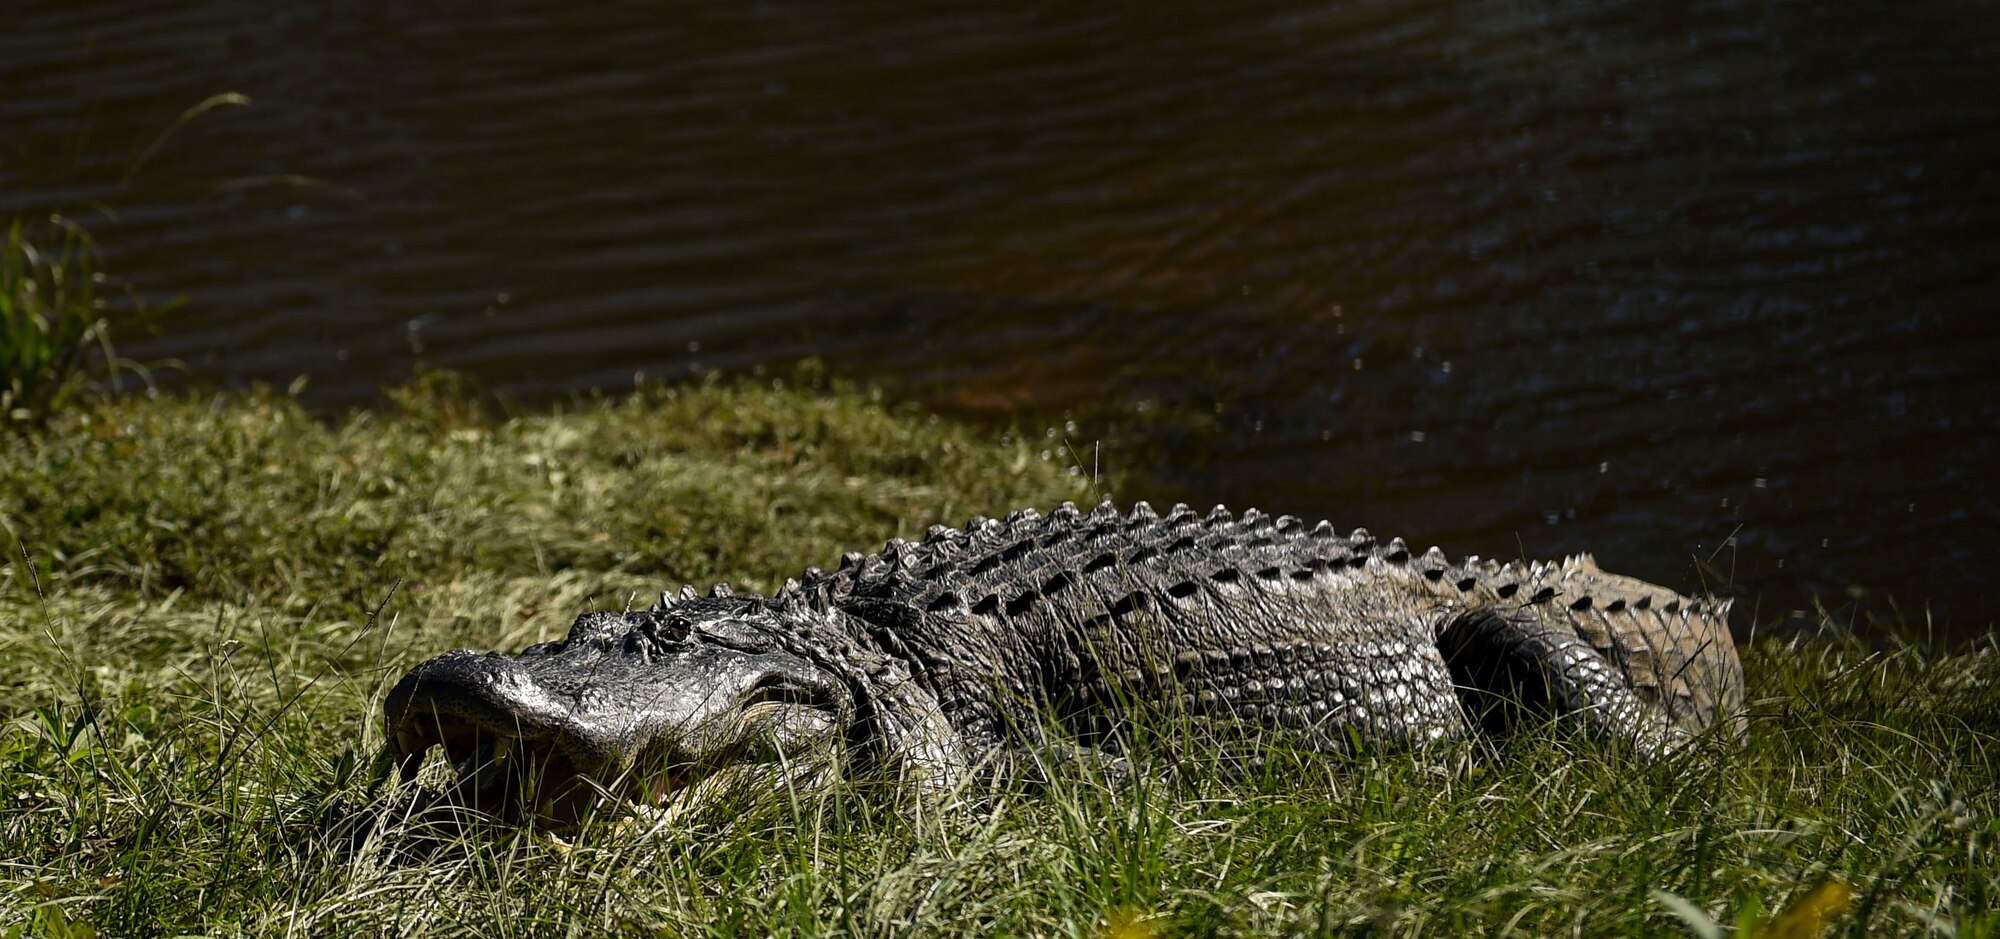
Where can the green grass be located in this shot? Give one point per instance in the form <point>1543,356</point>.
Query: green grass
<point>190,674</point>
<point>54,317</point>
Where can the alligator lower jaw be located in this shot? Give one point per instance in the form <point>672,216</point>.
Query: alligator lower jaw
<point>518,779</point>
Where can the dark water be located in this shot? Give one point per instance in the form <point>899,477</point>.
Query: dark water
<point>1707,288</point>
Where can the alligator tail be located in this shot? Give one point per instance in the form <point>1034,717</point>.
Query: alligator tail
<point>1640,661</point>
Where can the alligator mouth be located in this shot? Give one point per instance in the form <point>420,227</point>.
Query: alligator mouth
<point>522,777</point>
<point>509,776</point>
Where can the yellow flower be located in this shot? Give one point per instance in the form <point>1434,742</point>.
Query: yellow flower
<point>1809,913</point>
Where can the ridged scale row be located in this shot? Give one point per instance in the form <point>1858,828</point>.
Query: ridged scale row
<point>1017,572</point>
<point>1004,563</point>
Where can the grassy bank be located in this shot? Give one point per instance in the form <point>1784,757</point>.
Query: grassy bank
<point>189,676</point>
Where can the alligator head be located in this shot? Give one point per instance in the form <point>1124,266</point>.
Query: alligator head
<point>642,706</point>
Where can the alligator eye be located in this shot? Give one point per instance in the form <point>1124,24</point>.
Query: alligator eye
<point>669,628</point>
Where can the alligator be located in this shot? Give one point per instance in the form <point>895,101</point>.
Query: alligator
<point>937,659</point>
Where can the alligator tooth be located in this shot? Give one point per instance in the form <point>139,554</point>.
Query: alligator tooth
<point>411,750</point>
<point>502,748</point>
<point>556,843</point>
<point>407,766</point>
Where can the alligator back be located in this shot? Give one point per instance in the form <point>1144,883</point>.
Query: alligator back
<point>1270,622</point>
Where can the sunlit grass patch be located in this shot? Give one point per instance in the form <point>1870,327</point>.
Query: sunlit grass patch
<point>222,590</point>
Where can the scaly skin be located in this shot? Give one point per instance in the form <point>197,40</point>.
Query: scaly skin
<point>933,657</point>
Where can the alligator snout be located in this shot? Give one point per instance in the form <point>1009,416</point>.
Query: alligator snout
<point>548,733</point>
